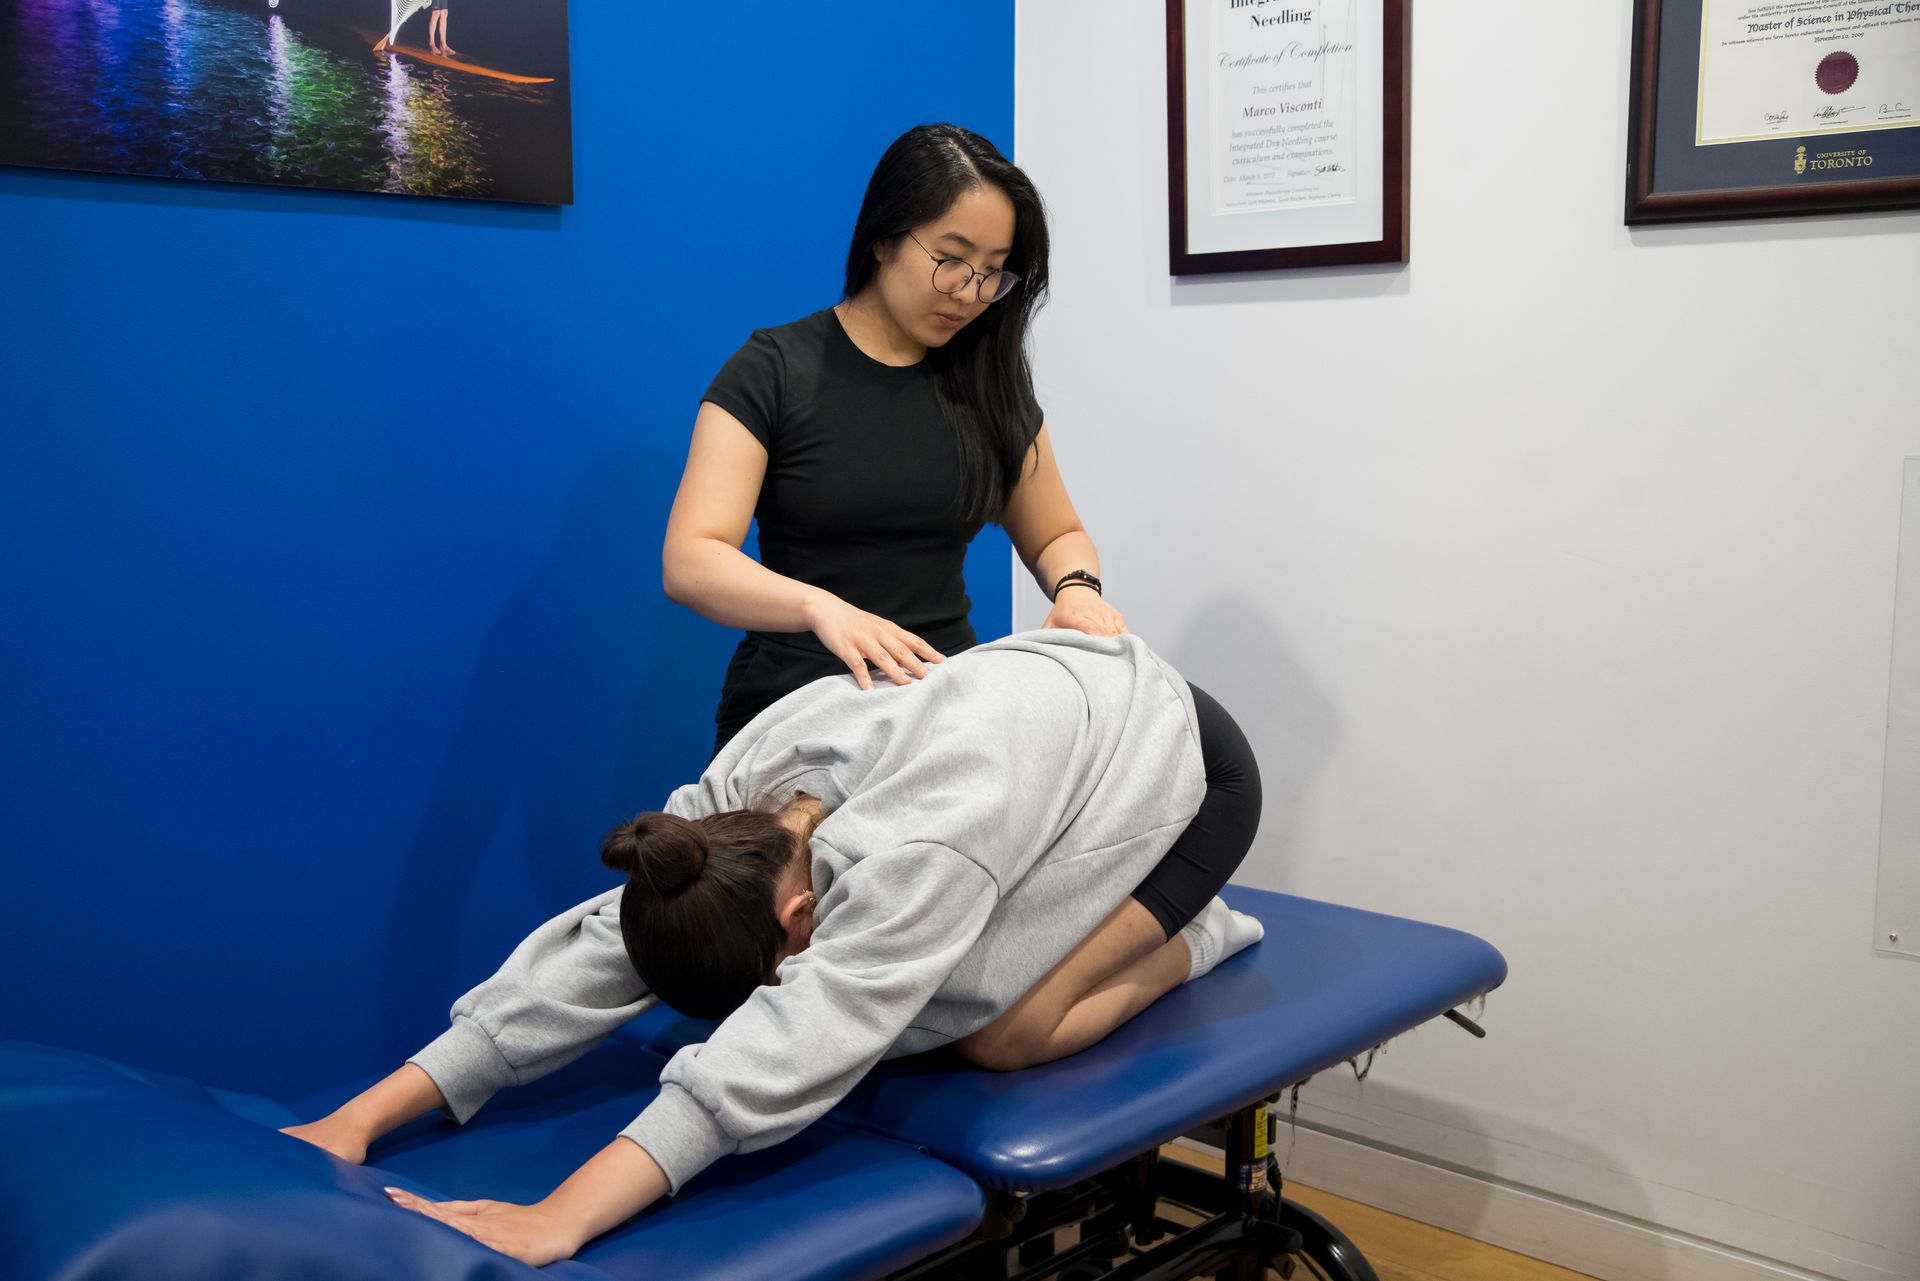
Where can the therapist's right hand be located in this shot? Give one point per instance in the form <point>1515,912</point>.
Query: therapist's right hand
<point>858,638</point>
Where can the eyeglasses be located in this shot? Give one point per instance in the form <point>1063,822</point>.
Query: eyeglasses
<point>951,275</point>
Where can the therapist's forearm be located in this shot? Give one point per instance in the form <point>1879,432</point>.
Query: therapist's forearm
<point>1070,551</point>
<point>733,589</point>
<point>620,1180</point>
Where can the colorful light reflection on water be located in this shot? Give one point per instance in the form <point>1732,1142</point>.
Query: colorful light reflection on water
<point>239,92</point>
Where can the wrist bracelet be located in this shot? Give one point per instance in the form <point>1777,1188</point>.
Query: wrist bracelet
<point>1073,576</point>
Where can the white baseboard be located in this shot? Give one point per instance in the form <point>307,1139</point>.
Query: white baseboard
<point>1537,1225</point>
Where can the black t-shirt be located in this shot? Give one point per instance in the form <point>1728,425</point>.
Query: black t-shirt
<point>861,498</point>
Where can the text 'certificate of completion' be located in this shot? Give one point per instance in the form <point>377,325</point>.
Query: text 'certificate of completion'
<point>1807,67</point>
<point>1284,104</point>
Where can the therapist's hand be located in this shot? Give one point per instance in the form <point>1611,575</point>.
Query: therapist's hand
<point>858,638</point>
<point>1084,610</point>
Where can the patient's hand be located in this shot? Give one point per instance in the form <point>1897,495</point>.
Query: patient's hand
<point>345,1141</point>
<point>621,1180</point>
<point>529,1233</point>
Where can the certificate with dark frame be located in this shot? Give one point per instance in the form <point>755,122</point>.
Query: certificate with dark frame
<point>1287,134</point>
<point>1762,108</point>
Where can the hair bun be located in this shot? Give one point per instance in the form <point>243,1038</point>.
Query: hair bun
<point>663,851</point>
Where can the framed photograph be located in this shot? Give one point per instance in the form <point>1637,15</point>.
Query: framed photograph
<point>1759,108</point>
<point>1287,133</point>
<point>464,98</point>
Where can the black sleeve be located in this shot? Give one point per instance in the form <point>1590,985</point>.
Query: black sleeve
<point>750,384</point>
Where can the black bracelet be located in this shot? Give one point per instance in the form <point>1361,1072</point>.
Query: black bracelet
<point>1080,576</point>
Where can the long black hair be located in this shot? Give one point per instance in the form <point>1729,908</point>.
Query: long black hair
<point>982,377</point>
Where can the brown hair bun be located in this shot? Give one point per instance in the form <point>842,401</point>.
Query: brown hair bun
<point>666,853</point>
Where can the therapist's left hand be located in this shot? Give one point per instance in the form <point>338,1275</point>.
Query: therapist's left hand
<point>1085,610</point>
<point>528,1233</point>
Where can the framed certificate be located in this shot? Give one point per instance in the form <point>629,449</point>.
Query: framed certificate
<point>1757,108</point>
<point>1286,133</point>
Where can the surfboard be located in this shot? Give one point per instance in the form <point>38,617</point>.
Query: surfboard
<point>380,45</point>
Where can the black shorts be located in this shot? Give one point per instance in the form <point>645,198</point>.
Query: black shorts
<point>439,6</point>
<point>1209,851</point>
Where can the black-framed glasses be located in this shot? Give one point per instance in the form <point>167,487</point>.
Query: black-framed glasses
<point>951,275</point>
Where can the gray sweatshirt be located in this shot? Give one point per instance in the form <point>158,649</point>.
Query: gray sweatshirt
<point>980,823</point>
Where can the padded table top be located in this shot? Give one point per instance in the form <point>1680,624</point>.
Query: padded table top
<point>113,1172</point>
<point>828,1203</point>
<point>1327,983</point>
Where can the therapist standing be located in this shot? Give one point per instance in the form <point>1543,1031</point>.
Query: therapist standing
<point>875,438</point>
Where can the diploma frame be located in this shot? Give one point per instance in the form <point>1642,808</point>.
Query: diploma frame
<point>1393,159</point>
<point>1647,115</point>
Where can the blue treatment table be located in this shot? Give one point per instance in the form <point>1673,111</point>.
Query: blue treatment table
<point>929,1169</point>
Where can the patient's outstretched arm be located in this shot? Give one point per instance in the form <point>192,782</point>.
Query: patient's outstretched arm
<point>562,991</point>
<point>620,1181</point>
<point>355,1125</point>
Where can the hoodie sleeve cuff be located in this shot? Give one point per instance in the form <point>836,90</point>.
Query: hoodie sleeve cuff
<point>469,1069</point>
<point>681,1136</point>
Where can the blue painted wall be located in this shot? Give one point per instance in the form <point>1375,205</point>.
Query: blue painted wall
<point>332,635</point>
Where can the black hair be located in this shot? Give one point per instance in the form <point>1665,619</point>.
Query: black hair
<point>982,377</point>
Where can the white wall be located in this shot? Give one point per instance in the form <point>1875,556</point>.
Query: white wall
<point>1552,578</point>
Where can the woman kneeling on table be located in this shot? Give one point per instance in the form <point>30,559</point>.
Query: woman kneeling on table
<point>1013,856</point>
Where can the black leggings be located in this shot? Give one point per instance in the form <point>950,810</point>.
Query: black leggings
<point>1208,852</point>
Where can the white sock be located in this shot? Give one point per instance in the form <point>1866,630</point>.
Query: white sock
<point>1217,933</point>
